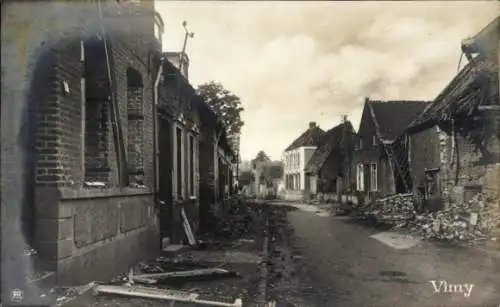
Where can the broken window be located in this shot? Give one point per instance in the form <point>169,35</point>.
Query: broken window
<point>135,127</point>
<point>95,113</point>
<point>373,177</point>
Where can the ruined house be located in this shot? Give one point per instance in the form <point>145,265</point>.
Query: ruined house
<point>78,132</point>
<point>296,157</point>
<point>380,159</point>
<point>329,171</point>
<point>466,114</point>
<point>179,132</point>
<point>216,164</point>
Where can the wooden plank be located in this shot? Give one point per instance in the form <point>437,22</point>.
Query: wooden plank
<point>191,273</point>
<point>187,227</point>
<point>161,294</point>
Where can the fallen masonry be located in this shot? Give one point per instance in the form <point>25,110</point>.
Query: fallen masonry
<point>463,221</point>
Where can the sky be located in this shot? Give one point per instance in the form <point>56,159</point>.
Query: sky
<point>295,62</point>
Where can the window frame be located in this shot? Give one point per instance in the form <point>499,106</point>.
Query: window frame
<point>373,177</point>
<point>360,179</point>
<point>178,191</point>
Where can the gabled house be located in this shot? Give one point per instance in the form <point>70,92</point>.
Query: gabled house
<point>466,114</point>
<point>329,170</point>
<point>381,163</point>
<point>296,157</point>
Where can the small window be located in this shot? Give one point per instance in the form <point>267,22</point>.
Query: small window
<point>374,140</point>
<point>360,145</point>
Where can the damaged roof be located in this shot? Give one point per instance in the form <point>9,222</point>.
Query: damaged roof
<point>332,140</point>
<point>485,41</point>
<point>391,118</point>
<point>311,137</point>
<point>476,84</point>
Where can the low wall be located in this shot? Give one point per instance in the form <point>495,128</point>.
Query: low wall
<point>293,195</point>
<point>86,235</point>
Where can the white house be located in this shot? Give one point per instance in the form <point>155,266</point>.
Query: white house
<point>295,158</point>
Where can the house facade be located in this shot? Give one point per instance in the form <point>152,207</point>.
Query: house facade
<point>381,162</point>
<point>86,161</point>
<point>330,169</point>
<point>295,159</point>
<point>179,126</point>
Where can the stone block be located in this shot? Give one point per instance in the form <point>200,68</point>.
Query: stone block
<point>54,229</point>
<point>133,213</point>
<point>95,220</point>
<point>56,250</point>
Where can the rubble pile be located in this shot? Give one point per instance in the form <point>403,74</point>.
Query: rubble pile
<point>472,220</point>
<point>395,208</point>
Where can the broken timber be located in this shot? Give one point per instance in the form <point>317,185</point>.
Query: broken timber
<point>187,228</point>
<point>170,295</point>
<point>192,273</point>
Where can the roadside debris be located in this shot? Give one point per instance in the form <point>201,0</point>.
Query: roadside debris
<point>163,294</point>
<point>472,220</point>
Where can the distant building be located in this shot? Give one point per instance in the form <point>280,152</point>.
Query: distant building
<point>329,171</point>
<point>295,158</point>
<point>381,169</point>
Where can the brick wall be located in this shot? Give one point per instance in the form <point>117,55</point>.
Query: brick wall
<point>424,153</point>
<point>473,168</point>
<point>42,71</point>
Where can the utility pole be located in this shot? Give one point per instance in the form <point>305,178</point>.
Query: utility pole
<point>186,36</point>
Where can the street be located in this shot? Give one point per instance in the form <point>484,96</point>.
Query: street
<point>322,260</point>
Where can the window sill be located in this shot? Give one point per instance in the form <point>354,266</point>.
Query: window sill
<point>78,193</point>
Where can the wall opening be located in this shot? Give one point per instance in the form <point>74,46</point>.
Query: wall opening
<point>97,93</point>
<point>135,127</point>
<point>192,165</point>
<point>178,132</point>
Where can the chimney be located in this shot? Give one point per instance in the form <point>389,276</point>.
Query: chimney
<point>367,99</point>
<point>312,125</point>
<point>176,58</point>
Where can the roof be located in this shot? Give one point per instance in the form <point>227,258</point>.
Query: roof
<point>485,41</point>
<point>391,118</point>
<point>206,114</point>
<point>311,137</point>
<point>333,140</point>
<point>476,84</point>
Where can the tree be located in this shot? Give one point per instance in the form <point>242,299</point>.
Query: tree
<point>227,107</point>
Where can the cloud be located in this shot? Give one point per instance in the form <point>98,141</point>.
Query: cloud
<point>296,62</point>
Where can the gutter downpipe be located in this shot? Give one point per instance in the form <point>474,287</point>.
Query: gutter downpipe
<point>155,128</point>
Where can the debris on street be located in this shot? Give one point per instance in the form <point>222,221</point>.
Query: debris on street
<point>471,220</point>
<point>192,273</point>
<point>462,221</point>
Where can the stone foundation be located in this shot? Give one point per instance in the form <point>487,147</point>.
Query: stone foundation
<point>86,235</point>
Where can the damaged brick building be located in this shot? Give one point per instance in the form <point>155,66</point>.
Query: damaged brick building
<point>380,159</point>
<point>466,116</point>
<point>89,91</point>
<point>101,139</point>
